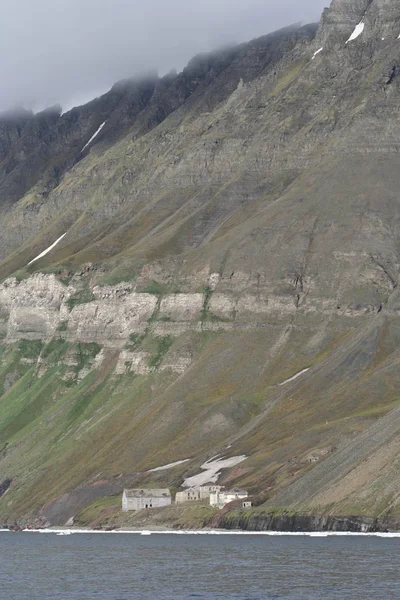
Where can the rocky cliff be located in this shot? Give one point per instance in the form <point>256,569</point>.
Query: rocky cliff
<point>225,278</point>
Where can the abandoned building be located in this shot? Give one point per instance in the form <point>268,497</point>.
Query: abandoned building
<point>145,498</point>
<point>189,495</point>
<point>223,498</point>
<point>196,493</point>
<point>209,488</point>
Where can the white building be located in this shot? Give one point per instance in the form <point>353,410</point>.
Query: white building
<point>221,499</point>
<point>189,495</point>
<point>140,499</point>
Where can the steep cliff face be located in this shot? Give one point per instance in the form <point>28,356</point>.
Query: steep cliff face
<point>48,145</point>
<point>226,283</point>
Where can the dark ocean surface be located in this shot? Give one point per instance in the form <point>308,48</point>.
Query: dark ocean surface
<point>39,566</point>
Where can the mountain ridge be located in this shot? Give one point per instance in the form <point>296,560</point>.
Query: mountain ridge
<point>227,283</point>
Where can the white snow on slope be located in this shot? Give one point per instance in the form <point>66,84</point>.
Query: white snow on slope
<point>47,250</point>
<point>294,376</point>
<point>170,466</point>
<point>357,32</point>
<point>316,53</point>
<point>93,136</point>
<point>212,471</point>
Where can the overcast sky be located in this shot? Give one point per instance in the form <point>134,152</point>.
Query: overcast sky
<point>69,51</point>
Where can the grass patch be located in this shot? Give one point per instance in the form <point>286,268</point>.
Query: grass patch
<point>58,270</point>
<point>26,401</point>
<point>66,280</point>
<point>164,344</point>
<point>135,341</point>
<point>63,326</point>
<point>54,349</point>
<point>116,278</point>
<point>215,319</point>
<point>21,275</point>
<point>11,370</point>
<point>81,297</point>
<point>287,77</point>
<point>85,354</point>
<point>84,402</point>
<point>154,287</point>
<point>204,315</point>
<point>30,348</point>
<point>92,512</point>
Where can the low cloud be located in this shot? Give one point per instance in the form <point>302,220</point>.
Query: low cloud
<point>67,52</point>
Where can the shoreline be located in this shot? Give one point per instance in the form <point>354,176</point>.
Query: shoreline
<point>162,531</point>
<point>237,522</point>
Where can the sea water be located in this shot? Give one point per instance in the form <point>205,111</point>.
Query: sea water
<point>86,566</point>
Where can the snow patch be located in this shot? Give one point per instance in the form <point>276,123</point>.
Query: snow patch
<point>212,471</point>
<point>294,376</point>
<point>357,32</point>
<point>93,136</point>
<point>47,249</point>
<point>170,466</point>
<point>316,53</point>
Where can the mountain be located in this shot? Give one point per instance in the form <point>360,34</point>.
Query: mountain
<point>224,282</point>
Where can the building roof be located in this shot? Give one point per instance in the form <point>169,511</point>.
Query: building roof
<point>148,493</point>
<point>235,491</point>
<point>208,485</point>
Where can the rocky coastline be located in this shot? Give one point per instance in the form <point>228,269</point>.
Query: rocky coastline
<point>309,523</point>
<point>262,523</point>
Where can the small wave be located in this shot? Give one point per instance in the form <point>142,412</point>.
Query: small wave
<point>311,534</point>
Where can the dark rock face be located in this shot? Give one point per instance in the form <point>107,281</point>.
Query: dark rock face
<point>59,511</point>
<point>380,17</point>
<point>4,486</point>
<point>11,126</point>
<point>305,523</point>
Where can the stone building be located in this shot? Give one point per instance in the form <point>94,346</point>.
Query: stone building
<point>140,499</point>
<point>197,493</point>
<point>209,488</point>
<point>189,495</point>
<point>221,499</point>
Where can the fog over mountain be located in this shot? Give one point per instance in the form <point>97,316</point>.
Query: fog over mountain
<point>68,52</point>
